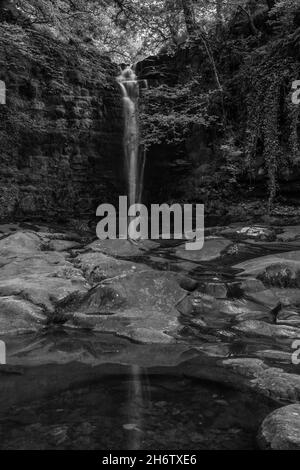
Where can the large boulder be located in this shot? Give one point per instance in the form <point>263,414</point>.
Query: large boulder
<point>281,429</point>
<point>140,306</point>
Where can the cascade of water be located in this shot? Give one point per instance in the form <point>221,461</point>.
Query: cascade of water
<point>134,159</point>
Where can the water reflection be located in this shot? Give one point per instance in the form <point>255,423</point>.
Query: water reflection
<point>135,412</point>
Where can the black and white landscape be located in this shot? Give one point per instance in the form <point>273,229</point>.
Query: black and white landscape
<point>133,342</point>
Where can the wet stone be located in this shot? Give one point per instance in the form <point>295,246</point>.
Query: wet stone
<point>281,429</point>
<point>260,328</point>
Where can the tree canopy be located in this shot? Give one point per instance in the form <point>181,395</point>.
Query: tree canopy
<point>128,30</point>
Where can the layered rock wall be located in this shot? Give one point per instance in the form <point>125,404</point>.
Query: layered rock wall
<point>61,127</point>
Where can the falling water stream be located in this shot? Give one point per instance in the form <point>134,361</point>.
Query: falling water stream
<point>134,157</point>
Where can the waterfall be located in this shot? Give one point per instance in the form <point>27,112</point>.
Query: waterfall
<point>134,157</point>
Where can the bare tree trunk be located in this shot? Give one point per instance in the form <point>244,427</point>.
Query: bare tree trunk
<point>212,60</point>
<point>189,15</point>
<point>191,26</point>
<point>253,28</point>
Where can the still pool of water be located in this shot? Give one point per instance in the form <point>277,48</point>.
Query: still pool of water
<point>138,412</point>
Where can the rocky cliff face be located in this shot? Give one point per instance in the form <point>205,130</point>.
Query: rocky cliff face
<point>61,127</point>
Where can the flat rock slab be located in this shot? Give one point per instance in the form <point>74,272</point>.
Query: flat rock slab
<point>280,357</point>
<point>257,266</point>
<point>212,249</point>
<point>97,266</point>
<point>281,429</point>
<point>288,317</point>
<point>288,297</point>
<point>290,233</point>
<point>261,328</point>
<point>140,306</point>
<point>62,245</point>
<point>8,228</point>
<point>122,248</point>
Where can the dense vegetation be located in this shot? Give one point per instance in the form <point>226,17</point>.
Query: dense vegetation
<point>238,92</point>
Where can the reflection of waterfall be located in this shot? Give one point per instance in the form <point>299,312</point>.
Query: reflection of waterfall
<point>134,158</point>
<point>138,396</point>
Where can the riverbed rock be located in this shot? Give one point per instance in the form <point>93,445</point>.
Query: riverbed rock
<point>280,270</point>
<point>212,249</point>
<point>289,297</point>
<point>288,317</point>
<point>216,289</point>
<point>32,281</point>
<point>97,266</point>
<point>251,285</point>
<point>142,302</point>
<point>281,429</point>
<point>62,245</point>
<point>18,316</point>
<point>246,373</point>
<point>253,289</point>
<point>279,356</point>
<point>290,233</point>
<point>8,228</point>
<point>19,243</point>
<point>261,328</point>
<point>204,310</point>
<point>255,232</point>
<point>122,248</point>
<point>40,282</point>
<point>270,381</point>
<point>128,298</point>
<point>187,283</point>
